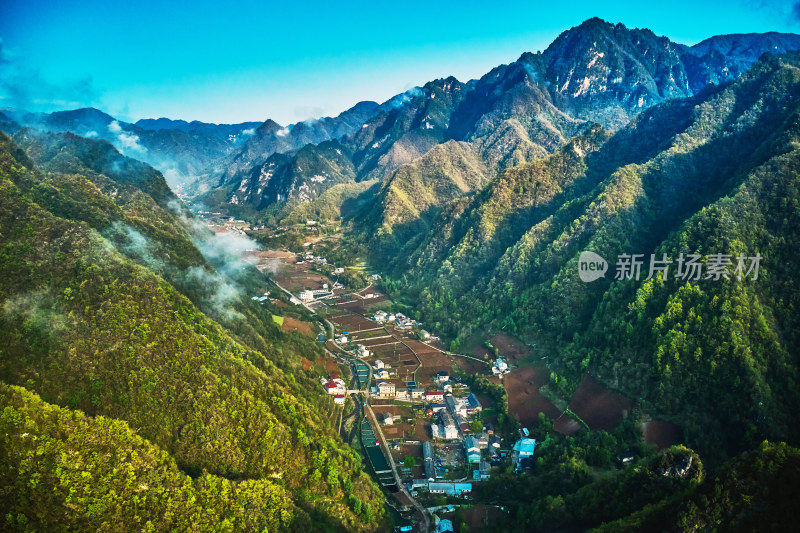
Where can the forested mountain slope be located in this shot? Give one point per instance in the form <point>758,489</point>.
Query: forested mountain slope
<point>715,174</point>
<point>177,399</point>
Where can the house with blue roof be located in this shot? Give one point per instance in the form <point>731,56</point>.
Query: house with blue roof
<point>522,452</point>
<point>472,449</point>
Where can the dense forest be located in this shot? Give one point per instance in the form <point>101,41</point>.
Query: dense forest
<point>716,355</point>
<point>102,351</point>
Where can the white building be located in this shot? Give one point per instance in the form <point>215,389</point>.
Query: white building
<point>334,388</point>
<point>385,389</point>
<point>307,295</point>
<point>447,426</point>
<point>500,367</point>
<point>457,406</point>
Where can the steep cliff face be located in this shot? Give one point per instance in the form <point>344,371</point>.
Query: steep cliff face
<point>272,138</point>
<point>302,176</point>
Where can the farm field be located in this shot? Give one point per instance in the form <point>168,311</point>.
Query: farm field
<point>350,322</point>
<point>661,433</point>
<point>292,324</point>
<point>598,406</point>
<point>524,399</point>
<point>566,425</point>
<point>514,350</point>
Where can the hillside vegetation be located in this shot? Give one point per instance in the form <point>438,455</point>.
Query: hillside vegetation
<point>717,355</point>
<point>136,367</point>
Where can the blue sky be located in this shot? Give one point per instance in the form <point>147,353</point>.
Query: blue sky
<point>237,61</point>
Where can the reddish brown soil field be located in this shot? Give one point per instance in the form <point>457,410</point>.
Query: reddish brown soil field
<point>437,361</point>
<point>292,324</point>
<point>368,335</point>
<point>598,406</point>
<point>306,363</point>
<point>395,431</point>
<point>398,430</point>
<point>394,351</point>
<point>436,343</point>
<point>524,399</point>
<point>329,365</point>
<point>370,290</point>
<point>381,410</point>
<point>662,434</point>
<point>350,322</point>
<point>566,425</point>
<point>379,341</point>
<point>422,431</point>
<point>514,350</point>
<point>355,306</point>
<point>420,347</point>
<point>414,450</point>
<point>477,518</point>
<point>295,278</point>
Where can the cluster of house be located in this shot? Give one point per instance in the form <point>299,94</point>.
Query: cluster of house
<point>336,387</point>
<point>500,367</point>
<point>387,389</point>
<point>432,482</point>
<point>383,372</point>
<point>453,415</point>
<point>360,350</point>
<point>400,320</point>
<point>384,388</point>
<point>311,258</point>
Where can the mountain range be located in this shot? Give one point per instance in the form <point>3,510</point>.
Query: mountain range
<point>136,367</point>
<point>596,72</point>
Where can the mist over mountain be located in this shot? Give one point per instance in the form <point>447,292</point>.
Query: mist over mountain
<point>130,342</point>
<point>595,72</point>
<point>270,138</point>
<point>147,378</point>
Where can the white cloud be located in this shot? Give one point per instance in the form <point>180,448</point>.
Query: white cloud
<point>127,143</point>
